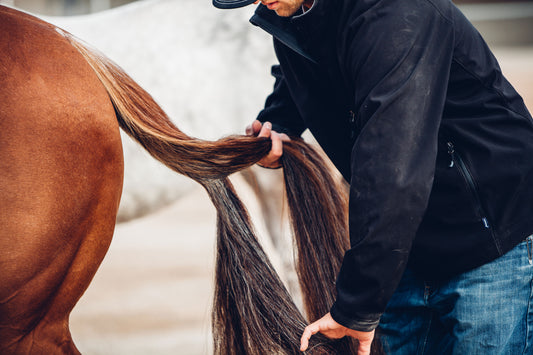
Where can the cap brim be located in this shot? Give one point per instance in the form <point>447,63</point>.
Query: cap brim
<point>231,4</point>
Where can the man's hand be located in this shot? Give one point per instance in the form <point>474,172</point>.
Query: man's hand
<point>265,130</point>
<point>333,330</point>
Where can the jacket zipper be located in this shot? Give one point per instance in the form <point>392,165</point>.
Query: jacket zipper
<point>457,160</point>
<point>352,123</point>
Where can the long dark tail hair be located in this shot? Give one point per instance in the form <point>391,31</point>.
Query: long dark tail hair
<point>253,312</point>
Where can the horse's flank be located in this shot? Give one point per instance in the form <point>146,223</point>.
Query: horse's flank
<point>61,172</point>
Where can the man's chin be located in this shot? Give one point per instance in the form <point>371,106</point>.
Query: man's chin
<point>282,9</point>
<point>284,12</point>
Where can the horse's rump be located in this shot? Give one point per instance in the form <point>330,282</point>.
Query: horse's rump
<point>60,180</point>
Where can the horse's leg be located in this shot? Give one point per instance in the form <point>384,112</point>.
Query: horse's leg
<point>61,173</point>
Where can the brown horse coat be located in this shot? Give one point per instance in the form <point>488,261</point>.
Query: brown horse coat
<point>61,173</point>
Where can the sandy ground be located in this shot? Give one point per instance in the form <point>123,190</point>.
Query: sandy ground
<point>152,294</point>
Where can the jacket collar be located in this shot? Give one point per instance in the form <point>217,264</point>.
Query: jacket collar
<point>301,30</point>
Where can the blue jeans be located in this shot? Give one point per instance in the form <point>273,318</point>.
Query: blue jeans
<point>486,311</point>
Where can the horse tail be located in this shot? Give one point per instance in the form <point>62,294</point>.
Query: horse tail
<point>253,312</point>
<point>143,119</point>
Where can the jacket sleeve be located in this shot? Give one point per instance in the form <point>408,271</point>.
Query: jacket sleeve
<point>400,65</point>
<point>280,109</point>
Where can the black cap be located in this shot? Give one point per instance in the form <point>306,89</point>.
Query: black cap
<point>231,4</point>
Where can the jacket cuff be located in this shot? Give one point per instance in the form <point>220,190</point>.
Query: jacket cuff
<point>363,324</point>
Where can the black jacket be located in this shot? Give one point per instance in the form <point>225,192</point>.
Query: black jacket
<point>411,106</point>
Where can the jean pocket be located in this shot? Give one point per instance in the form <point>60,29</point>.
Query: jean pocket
<point>529,246</point>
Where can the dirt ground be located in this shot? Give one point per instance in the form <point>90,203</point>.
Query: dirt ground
<point>152,294</point>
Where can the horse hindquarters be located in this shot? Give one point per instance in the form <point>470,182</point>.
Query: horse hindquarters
<point>61,173</point>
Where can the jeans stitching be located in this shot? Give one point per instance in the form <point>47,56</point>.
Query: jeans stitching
<point>527,344</point>
<point>425,337</point>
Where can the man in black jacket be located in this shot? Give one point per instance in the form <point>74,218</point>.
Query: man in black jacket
<point>410,105</point>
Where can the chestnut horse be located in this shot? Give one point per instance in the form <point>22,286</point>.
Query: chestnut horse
<point>60,184</point>
<point>61,171</point>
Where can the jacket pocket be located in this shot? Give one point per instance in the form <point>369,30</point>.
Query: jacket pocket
<point>456,162</point>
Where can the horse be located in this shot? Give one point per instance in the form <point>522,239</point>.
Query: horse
<point>60,183</point>
<point>61,177</point>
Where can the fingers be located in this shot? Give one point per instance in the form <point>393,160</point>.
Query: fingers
<point>333,330</point>
<point>266,129</point>
<point>248,130</point>
<point>277,146</point>
<point>309,331</point>
<point>254,128</point>
<point>284,137</point>
<point>365,341</point>
<point>258,129</point>
<point>364,347</point>
<point>276,151</point>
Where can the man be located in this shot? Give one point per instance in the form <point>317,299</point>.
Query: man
<point>410,105</point>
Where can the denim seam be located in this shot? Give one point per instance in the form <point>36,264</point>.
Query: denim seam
<point>528,330</point>
<point>425,338</point>
<point>527,344</point>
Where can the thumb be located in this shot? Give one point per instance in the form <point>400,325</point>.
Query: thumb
<point>364,347</point>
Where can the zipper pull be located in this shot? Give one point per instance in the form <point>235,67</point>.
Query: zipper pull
<point>352,116</point>
<point>352,124</point>
<point>451,151</point>
<point>485,222</point>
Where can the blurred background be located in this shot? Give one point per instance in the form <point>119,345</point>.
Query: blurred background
<point>210,70</point>
<point>502,22</point>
